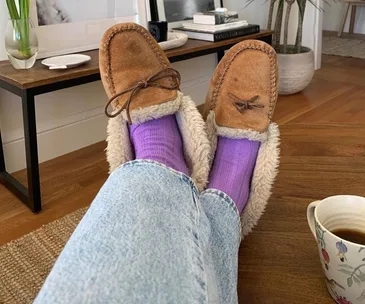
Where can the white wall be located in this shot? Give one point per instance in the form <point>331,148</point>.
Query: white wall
<point>255,13</point>
<point>333,15</point>
<point>70,119</point>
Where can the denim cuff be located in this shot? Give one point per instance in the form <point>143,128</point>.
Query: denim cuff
<point>152,163</point>
<point>228,210</point>
<point>223,197</point>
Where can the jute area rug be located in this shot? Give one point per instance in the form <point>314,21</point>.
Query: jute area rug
<point>26,262</point>
<point>343,47</point>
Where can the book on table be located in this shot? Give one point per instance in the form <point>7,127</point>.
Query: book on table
<point>214,28</point>
<point>214,17</point>
<point>220,35</point>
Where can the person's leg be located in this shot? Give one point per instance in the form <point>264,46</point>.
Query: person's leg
<point>245,142</point>
<point>159,140</point>
<point>222,244</point>
<point>146,107</point>
<point>140,242</point>
<point>232,168</point>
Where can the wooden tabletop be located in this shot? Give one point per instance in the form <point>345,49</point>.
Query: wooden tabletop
<point>39,75</point>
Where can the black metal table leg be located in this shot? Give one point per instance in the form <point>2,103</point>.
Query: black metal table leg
<point>31,151</point>
<point>220,55</point>
<point>10,182</point>
<point>267,39</point>
<point>2,156</point>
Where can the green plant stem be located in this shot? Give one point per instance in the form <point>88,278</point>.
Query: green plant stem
<point>278,25</point>
<point>298,44</point>
<point>279,20</point>
<point>301,12</point>
<point>286,24</point>
<point>24,15</point>
<point>24,9</point>
<point>271,12</point>
<point>13,11</point>
<point>20,22</point>
<point>24,40</point>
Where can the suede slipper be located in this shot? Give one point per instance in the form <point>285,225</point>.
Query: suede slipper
<point>142,86</point>
<point>240,104</point>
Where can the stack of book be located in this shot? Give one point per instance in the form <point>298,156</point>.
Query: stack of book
<point>217,26</point>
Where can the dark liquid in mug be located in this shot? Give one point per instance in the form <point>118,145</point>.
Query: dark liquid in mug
<point>351,235</point>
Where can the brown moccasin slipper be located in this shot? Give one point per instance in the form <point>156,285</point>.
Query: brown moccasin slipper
<point>240,104</point>
<point>141,86</point>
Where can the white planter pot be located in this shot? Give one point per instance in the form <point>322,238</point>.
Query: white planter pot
<point>295,71</point>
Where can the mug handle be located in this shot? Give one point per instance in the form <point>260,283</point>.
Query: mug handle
<point>310,216</point>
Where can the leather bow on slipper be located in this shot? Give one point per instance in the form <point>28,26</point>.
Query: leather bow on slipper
<point>242,105</point>
<point>150,82</point>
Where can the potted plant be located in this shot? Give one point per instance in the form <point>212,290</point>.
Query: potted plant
<point>296,62</point>
<point>21,41</point>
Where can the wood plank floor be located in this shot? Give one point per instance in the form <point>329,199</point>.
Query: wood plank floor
<point>68,183</point>
<point>323,153</point>
<point>344,35</point>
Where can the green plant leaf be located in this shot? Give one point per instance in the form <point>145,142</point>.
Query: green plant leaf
<point>349,282</point>
<point>316,6</point>
<point>24,9</point>
<point>13,11</point>
<point>356,280</point>
<point>248,3</point>
<point>345,271</point>
<point>300,7</point>
<point>325,1</point>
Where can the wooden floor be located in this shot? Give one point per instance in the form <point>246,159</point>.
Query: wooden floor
<point>323,153</point>
<point>67,184</point>
<point>344,35</point>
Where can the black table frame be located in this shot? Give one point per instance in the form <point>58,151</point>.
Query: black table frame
<point>31,196</point>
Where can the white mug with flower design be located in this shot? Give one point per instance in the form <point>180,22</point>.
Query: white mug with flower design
<point>343,262</point>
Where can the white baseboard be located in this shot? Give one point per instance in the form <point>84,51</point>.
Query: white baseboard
<point>58,142</point>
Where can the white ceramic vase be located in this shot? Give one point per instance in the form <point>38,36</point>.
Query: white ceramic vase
<point>295,71</point>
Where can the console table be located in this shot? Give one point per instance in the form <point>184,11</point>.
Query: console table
<point>39,80</point>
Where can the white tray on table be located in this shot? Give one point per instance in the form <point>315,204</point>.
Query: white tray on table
<point>174,40</point>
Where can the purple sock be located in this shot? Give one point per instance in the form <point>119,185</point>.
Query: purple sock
<point>232,169</point>
<point>159,140</point>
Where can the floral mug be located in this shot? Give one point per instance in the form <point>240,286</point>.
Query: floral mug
<point>343,262</point>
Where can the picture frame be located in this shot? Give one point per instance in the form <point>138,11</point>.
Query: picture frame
<point>75,37</point>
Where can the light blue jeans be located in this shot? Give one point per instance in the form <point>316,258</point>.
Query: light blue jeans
<point>150,237</point>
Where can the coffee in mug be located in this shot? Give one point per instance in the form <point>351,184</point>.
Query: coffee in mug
<point>338,224</point>
<point>354,236</point>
